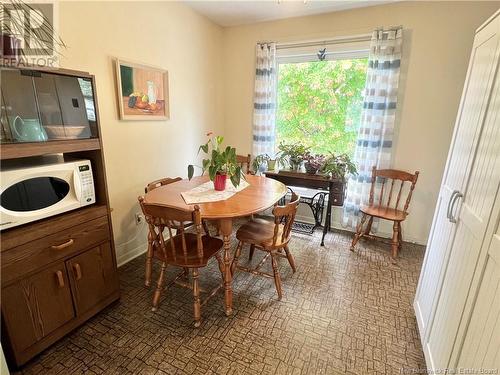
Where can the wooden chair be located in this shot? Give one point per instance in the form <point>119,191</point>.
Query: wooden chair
<point>161,182</point>
<point>149,255</point>
<point>382,208</point>
<point>271,237</point>
<point>190,251</point>
<point>243,160</point>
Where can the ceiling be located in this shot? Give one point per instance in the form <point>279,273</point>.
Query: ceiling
<point>239,12</point>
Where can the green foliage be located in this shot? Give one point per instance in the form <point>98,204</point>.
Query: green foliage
<point>259,161</point>
<point>319,104</point>
<point>293,153</point>
<point>337,166</point>
<point>221,161</point>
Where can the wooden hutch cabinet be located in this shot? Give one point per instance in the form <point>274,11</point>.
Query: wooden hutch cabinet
<point>59,271</point>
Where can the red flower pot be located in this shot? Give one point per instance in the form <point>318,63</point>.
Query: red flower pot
<point>220,182</point>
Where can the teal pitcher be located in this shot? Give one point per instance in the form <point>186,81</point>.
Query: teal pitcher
<point>28,130</point>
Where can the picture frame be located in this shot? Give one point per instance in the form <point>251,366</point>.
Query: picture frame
<point>142,91</point>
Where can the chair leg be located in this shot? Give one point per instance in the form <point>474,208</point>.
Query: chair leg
<point>250,254</point>
<point>149,265</point>
<point>395,239</point>
<point>290,259</point>
<point>400,237</point>
<point>359,232</point>
<point>368,226</point>
<point>159,287</point>
<point>196,295</point>
<point>186,272</point>
<point>277,277</point>
<point>237,254</point>
<point>205,227</point>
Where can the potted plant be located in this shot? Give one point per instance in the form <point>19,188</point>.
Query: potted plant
<point>293,153</point>
<point>279,159</point>
<point>259,163</point>
<point>337,166</point>
<point>221,164</point>
<point>313,163</point>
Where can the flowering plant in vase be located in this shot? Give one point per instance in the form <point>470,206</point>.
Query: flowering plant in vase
<point>221,163</point>
<point>313,163</point>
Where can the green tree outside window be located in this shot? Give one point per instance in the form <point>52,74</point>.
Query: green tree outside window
<point>320,103</point>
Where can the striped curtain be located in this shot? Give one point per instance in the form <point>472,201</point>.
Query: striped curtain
<point>264,106</point>
<point>374,145</point>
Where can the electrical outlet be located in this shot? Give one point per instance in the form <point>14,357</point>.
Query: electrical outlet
<point>139,218</point>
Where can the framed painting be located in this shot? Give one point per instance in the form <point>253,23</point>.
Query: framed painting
<point>142,92</point>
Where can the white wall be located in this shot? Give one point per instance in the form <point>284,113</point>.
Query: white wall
<point>437,43</point>
<point>164,34</point>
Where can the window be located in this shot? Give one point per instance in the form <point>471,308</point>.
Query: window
<point>320,102</point>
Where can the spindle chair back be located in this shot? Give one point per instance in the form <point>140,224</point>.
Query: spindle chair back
<point>245,162</point>
<point>392,181</point>
<point>160,218</point>
<point>284,217</point>
<point>161,182</point>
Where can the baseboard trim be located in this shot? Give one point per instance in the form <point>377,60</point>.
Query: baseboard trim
<point>125,257</point>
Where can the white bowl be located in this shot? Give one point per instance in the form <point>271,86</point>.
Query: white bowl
<point>64,132</point>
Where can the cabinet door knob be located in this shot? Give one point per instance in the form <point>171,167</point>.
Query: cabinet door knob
<point>63,245</point>
<point>78,271</point>
<point>60,279</point>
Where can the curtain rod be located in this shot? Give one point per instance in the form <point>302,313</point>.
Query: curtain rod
<point>320,42</point>
<point>358,38</point>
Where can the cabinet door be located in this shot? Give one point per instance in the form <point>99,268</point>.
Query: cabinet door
<point>21,121</point>
<point>471,117</point>
<point>482,341</point>
<point>472,212</point>
<point>34,307</point>
<point>93,276</point>
<point>48,100</point>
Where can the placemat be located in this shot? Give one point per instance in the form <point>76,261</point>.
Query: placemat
<point>205,192</point>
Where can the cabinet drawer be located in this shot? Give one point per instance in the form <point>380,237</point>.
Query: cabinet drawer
<point>36,254</point>
<point>337,199</point>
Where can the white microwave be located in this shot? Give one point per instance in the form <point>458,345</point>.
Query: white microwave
<point>30,193</point>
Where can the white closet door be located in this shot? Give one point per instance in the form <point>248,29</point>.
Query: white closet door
<point>473,212</point>
<point>480,76</point>
<point>481,347</point>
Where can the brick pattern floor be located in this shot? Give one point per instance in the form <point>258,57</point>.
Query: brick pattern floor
<point>342,313</point>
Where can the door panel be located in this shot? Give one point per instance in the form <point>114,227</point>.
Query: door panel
<point>482,342</point>
<point>36,306</point>
<point>473,216</point>
<point>93,276</point>
<point>483,65</point>
<point>439,241</point>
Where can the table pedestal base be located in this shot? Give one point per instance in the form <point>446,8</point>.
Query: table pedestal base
<point>226,229</point>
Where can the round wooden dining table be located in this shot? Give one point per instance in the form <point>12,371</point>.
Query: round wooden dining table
<point>260,194</point>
